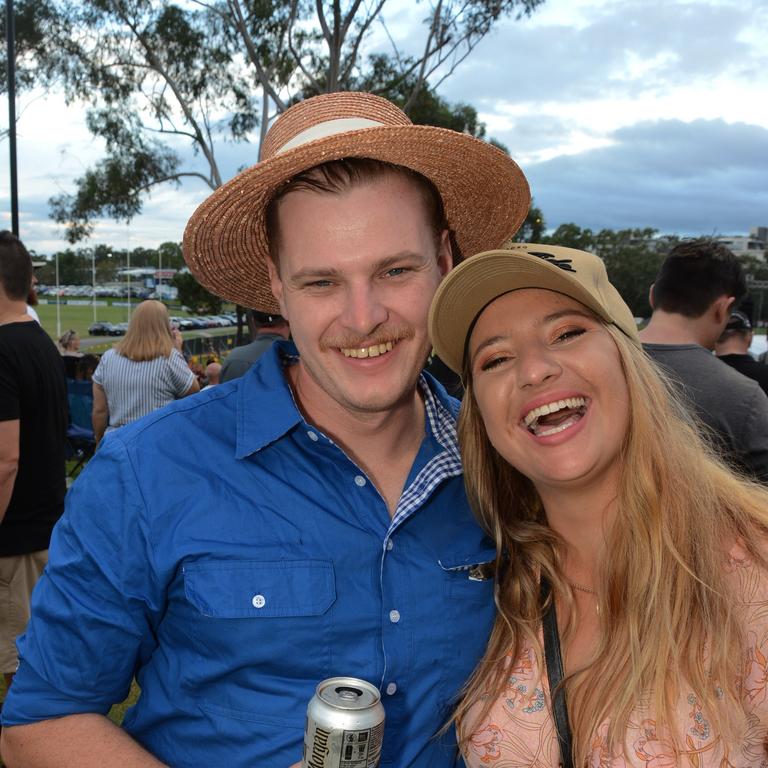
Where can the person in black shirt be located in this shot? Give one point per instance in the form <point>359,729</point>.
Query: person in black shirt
<point>33,423</point>
<point>733,348</point>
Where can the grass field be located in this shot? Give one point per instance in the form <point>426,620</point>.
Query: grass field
<point>79,318</point>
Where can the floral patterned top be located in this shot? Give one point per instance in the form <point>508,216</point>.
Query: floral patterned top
<point>519,729</point>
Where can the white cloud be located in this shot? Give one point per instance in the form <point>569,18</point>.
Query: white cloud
<point>622,112</point>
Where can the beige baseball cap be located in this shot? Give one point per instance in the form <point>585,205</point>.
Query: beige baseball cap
<point>476,282</point>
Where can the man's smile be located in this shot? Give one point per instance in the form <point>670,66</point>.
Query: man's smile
<point>375,350</point>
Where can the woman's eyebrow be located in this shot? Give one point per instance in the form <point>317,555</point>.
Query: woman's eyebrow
<point>487,343</point>
<point>565,312</point>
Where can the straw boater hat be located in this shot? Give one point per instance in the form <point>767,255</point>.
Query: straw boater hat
<point>475,283</point>
<point>485,194</point>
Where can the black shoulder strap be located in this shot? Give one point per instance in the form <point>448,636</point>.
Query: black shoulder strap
<point>554,663</point>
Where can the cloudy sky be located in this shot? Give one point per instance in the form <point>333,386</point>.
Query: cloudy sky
<point>622,113</point>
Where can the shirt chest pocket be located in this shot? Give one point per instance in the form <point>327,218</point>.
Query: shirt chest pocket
<point>248,589</point>
<point>470,576</point>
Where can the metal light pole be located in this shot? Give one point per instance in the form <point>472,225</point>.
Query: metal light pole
<point>58,299</point>
<point>10,28</point>
<point>93,281</point>
<point>128,268</point>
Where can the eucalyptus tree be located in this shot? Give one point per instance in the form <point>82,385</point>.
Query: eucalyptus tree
<point>160,77</point>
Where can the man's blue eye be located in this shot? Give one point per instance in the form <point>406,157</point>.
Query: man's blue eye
<point>395,271</point>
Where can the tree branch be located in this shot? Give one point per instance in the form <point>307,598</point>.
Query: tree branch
<point>176,177</point>
<point>323,22</point>
<point>253,55</point>
<point>352,58</point>
<point>297,58</point>
<point>433,33</point>
<point>160,69</point>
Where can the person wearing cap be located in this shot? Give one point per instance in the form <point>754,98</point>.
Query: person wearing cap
<point>695,291</point>
<point>733,349</point>
<point>631,562</point>
<point>264,329</point>
<point>308,519</point>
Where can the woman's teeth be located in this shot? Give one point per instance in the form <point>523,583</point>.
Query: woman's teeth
<point>553,426</point>
<point>373,351</point>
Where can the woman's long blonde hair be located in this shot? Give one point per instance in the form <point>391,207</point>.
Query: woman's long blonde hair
<point>149,333</point>
<point>662,587</point>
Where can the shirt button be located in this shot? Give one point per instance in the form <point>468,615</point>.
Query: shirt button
<point>390,545</point>
<point>394,616</point>
<point>360,481</point>
<point>313,437</point>
<point>258,601</point>
<point>391,689</point>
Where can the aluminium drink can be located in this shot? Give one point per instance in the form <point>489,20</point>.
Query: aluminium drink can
<point>345,725</point>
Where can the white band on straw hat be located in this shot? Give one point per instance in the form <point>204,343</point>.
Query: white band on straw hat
<point>328,128</point>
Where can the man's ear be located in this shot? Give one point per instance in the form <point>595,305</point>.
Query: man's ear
<point>650,297</point>
<point>721,309</point>
<point>276,285</point>
<point>445,254</point>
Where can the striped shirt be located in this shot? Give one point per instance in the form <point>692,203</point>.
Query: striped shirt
<point>134,389</point>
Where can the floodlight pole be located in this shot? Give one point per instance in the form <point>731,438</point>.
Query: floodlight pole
<point>93,281</point>
<point>58,299</point>
<point>10,28</point>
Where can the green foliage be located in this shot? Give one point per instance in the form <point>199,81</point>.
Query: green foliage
<point>533,228</point>
<point>114,185</point>
<point>158,74</point>
<point>194,296</point>
<point>171,255</point>
<point>75,266</point>
<point>37,61</point>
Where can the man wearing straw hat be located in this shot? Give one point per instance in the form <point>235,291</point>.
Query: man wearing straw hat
<point>341,542</point>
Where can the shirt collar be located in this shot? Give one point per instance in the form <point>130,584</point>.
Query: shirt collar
<point>442,411</point>
<point>265,406</point>
<point>266,409</point>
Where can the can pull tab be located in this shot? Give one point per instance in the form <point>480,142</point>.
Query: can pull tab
<point>348,693</point>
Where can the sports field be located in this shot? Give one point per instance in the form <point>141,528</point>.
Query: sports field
<point>79,317</point>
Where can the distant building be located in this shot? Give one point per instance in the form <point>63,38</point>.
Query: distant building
<point>754,244</point>
<point>150,282</point>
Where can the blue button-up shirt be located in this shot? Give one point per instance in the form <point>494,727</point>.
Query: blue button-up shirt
<point>230,556</point>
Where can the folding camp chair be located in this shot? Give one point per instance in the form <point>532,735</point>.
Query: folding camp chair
<point>80,440</point>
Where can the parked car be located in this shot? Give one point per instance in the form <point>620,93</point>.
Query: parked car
<point>119,329</point>
<point>101,329</point>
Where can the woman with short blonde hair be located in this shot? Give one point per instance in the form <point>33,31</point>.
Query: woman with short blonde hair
<point>610,514</point>
<point>142,372</point>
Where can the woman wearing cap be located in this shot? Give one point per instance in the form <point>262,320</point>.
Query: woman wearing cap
<point>143,372</point>
<point>614,524</point>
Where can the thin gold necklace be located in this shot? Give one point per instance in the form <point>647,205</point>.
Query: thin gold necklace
<point>589,591</point>
<point>582,588</point>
